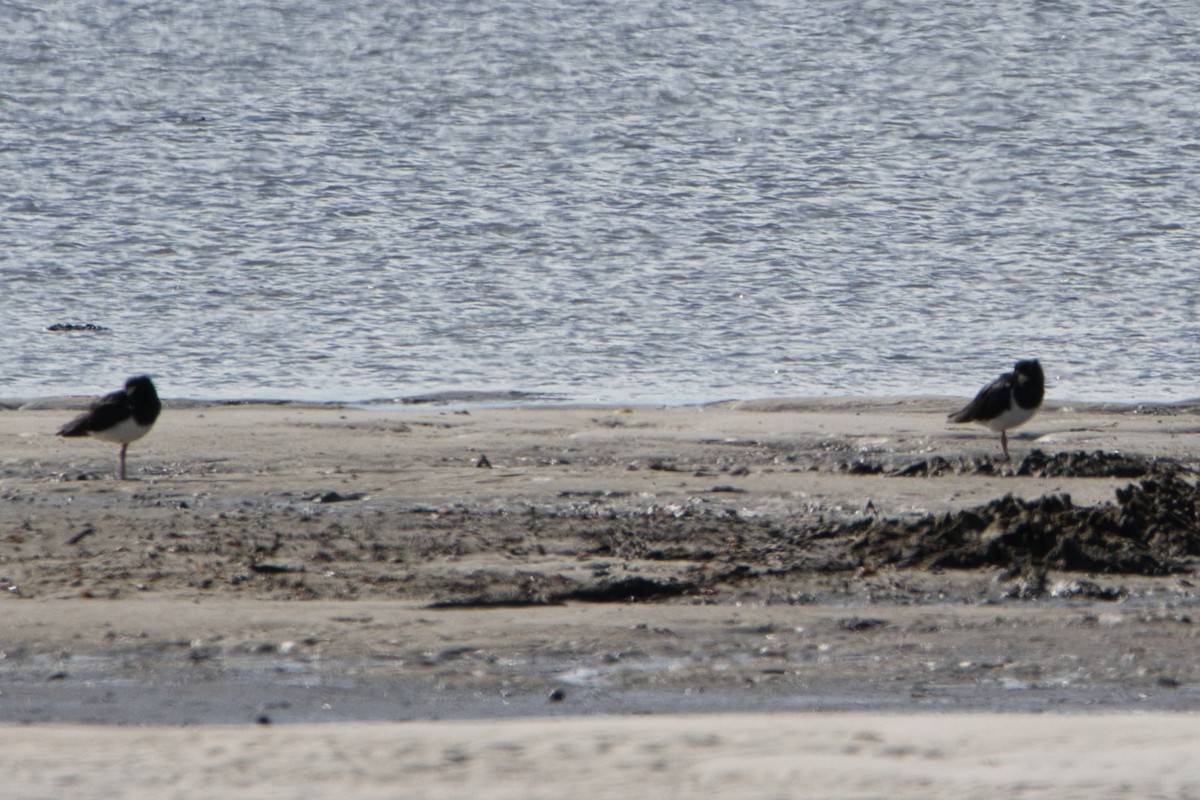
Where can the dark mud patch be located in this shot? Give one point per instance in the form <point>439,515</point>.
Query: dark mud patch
<point>1096,464</point>
<point>631,589</point>
<point>1152,529</point>
<point>1037,464</point>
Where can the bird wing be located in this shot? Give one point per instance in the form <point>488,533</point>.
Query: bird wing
<point>103,414</point>
<point>992,401</point>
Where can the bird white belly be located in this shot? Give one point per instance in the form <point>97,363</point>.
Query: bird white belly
<point>1015,416</point>
<point>123,432</point>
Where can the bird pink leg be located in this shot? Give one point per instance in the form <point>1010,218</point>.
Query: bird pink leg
<point>123,461</point>
<point>1003,443</point>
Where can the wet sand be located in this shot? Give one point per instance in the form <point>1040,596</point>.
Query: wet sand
<point>763,568</point>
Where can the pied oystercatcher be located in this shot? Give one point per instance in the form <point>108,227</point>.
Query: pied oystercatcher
<point>1009,401</point>
<point>121,417</point>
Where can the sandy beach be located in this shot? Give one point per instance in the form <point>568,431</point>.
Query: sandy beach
<point>786,598</point>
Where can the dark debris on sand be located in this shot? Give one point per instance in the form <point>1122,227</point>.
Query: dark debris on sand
<point>462,556</point>
<point>623,590</point>
<point>1037,464</point>
<point>1152,529</point>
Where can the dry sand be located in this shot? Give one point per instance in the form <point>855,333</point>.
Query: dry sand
<point>552,601</point>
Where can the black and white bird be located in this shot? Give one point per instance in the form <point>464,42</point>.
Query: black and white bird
<point>121,417</point>
<point>1007,402</point>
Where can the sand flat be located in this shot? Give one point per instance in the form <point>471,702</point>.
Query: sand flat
<point>850,755</point>
<point>376,570</point>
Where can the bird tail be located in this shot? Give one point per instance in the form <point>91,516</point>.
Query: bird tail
<point>962,415</point>
<point>76,427</point>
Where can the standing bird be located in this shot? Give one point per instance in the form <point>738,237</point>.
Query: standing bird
<point>120,417</point>
<point>1009,401</point>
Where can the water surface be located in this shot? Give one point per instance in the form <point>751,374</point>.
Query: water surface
<point>625,202</point>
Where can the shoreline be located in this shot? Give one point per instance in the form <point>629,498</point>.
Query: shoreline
<point>509,399</point>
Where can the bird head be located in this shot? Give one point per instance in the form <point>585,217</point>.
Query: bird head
<point>1029,370</point>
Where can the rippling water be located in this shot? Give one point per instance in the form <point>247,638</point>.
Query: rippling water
<point>617,201</point>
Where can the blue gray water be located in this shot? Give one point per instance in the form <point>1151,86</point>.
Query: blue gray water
<point>619,201</point>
